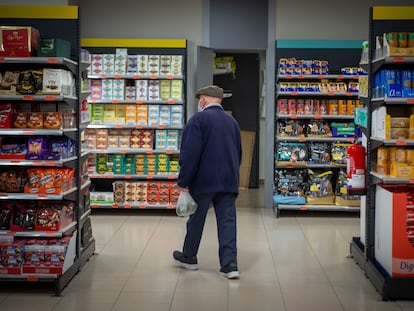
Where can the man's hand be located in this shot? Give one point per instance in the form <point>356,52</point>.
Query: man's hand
<point>183,189</point>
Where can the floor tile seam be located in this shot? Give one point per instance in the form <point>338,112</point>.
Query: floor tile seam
<point>322,268</point>
<point>112,236</point>
<point>138,259</point>
<point>273,260</point>
<point>142,253</point>
<point>175,289</point>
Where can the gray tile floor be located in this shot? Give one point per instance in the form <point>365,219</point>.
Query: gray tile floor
<point>292,263</point>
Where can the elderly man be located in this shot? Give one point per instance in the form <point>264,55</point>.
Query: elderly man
<point>210,157</point>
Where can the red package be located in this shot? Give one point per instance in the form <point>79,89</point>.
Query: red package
<point>18,41</point>
<point>6,116</point>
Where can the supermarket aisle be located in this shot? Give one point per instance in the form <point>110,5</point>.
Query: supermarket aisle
<point>290,263</point>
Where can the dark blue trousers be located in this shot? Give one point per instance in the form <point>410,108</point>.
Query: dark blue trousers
<point>225,208</point>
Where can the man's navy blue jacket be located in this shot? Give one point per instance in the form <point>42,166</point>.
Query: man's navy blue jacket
<point>210,153</point>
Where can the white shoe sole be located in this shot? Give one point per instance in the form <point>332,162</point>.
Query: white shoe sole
<point>231,275</point>
<point>187,265</point>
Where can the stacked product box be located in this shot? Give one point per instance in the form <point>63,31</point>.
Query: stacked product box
<point>118,89</point>
<point>176,64</point>
<point>165,65</point>
<point>107,89</point>
<point>177,90</point>
<point>97,115</point>
<point>165,89</point>
<point>140,164</point>
<point>11,255</point>
<point>154,64</point>
<point>132,65</point>
<point>120,61</point>
<point>130,92</point>
<point>174,163</point>
<point>95,87</point>
<point>154,90</point>
<point>118,164</point>
<point>151,164</point>
<point>173,139</point>
<point>128,164</point>
<point>19,41</point>
<point>123,138</point>
<point>153,193</point>
<point>120,114</point>
<point>165,115</point>
<point>141,139</point>
<point>177,115</point>
<point>162,163</point>
<point>166,139</point>
<point>131,114</point>
<point>143,65</point>
<point>108,64</point>
<point>97,62</point>
<point>317,106</point>
<point>161,139</point>
<point>153,115</point>
<point>394,83</point>
<point>58,81</point>
<point>109,114</point>
<point>141,87</point>
<point>100,197</point>
<point>113,139</point>
<point>142,115</point>
<point>396,162</point>
<point>119,192</point>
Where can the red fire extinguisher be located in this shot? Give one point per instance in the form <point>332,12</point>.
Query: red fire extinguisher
<point>356,169</point>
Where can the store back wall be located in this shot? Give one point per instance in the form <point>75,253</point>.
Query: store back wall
<point>326,19</point>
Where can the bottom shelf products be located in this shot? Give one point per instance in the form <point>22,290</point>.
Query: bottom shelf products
<point>313,187</point>
<point>36,256</point>
<point>134,193</point>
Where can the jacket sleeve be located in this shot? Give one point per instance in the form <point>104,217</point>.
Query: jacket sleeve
<point>190,153</point>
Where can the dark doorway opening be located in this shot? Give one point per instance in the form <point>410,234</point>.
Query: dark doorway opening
<point>244,87</point>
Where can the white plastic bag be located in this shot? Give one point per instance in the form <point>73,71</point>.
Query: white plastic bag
<point>185,204</point>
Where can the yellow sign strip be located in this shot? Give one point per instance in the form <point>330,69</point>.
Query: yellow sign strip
<point>39,12</point>
<point>133,43</point>
<point>393,13</point>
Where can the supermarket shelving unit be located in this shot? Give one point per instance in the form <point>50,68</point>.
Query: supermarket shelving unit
<point>52,22</point>
<point>104,182</point>
<point>382,20</point>
<point>339,54</point>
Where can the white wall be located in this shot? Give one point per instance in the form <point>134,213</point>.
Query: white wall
<point>326,19</point>
<point>141,19</point>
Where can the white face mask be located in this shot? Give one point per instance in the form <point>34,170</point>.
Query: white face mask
<point>199,109</point>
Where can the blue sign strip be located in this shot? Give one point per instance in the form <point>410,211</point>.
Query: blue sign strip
<point>319,44</point>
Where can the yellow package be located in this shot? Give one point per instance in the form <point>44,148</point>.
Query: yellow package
<point>387,126</point>
<point>411,131</point>
<point>402,170</point>
<point>130,114</point>
<point>142,114</point>
<point>382,155</point>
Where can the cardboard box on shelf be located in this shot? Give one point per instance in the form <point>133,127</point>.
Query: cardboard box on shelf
<point>54,47</point>
<point>389,48</point>
<point>18,41</point>
<point>394,241</point>
<point>248,141</point>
